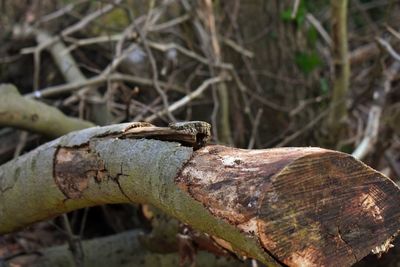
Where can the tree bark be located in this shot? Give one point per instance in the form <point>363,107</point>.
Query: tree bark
<point>293,206</point>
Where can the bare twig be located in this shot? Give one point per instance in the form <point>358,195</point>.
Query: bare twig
<point>65,62</point>
<point>36,70</point>
<point>168,24</point>
<point>211,46</point>
<point>61,55</point>
<point>393,32</point>
<point>23,138</point>
<point>388,48</point>
<point>255,128</point>
<point>74,243</point>
<point>89,18</point>
<point>183,101</point>
<point>309,125</point>
<point>295,8</point>
<point>26,30</point>
<point>146,108</point>
<point>165,47</point>
<point>155,76</point>
<point>89,41</point>
<point>303,103</point>
<point>372,128</point>
<point>238,48</point>
<point>394,165</point>
<point>60,12</point>
<point>320,29</point>
<point>188,53</point>
<point>99,79</point>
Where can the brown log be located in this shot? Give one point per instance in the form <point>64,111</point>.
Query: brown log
<point>293,206</point>
<point>307,206</point>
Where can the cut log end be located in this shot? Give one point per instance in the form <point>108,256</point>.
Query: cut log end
<point>306,206</point>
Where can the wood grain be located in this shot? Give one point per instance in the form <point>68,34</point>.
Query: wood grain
<point>306,206</point>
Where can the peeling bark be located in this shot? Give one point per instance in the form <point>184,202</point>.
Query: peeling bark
<point>293,206</point>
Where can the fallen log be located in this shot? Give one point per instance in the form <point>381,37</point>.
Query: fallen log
<point>28,114</point>
<point>122,250</point>
<point>291,206</point>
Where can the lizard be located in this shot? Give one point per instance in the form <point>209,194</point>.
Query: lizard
<point>190,133</point>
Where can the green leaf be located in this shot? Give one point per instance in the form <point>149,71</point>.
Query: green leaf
<point>286,15</point>
<point>312,36</point>
<point>346,149</point>
<point>307,62</point>
<point>301,14</point>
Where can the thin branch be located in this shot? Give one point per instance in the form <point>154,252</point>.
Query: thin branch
<point>183,101</point>
<point>388,48</point>
<point>74,243</point>
<point>26,30</point>
<point>320,29</point>
<point>238,48</point>
<point>295,8</point>
<point>169,24</point>
<point>70,87</point>
<point>308,126</point>
<point>89,18</point>
<point>255,128</point>
<point>155,75</point>
<point>64,60</point>
<point>60,12</point>
<point>393,32</point>
<point>374,116</point>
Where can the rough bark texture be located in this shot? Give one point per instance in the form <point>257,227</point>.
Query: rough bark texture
<point>297,206</point>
